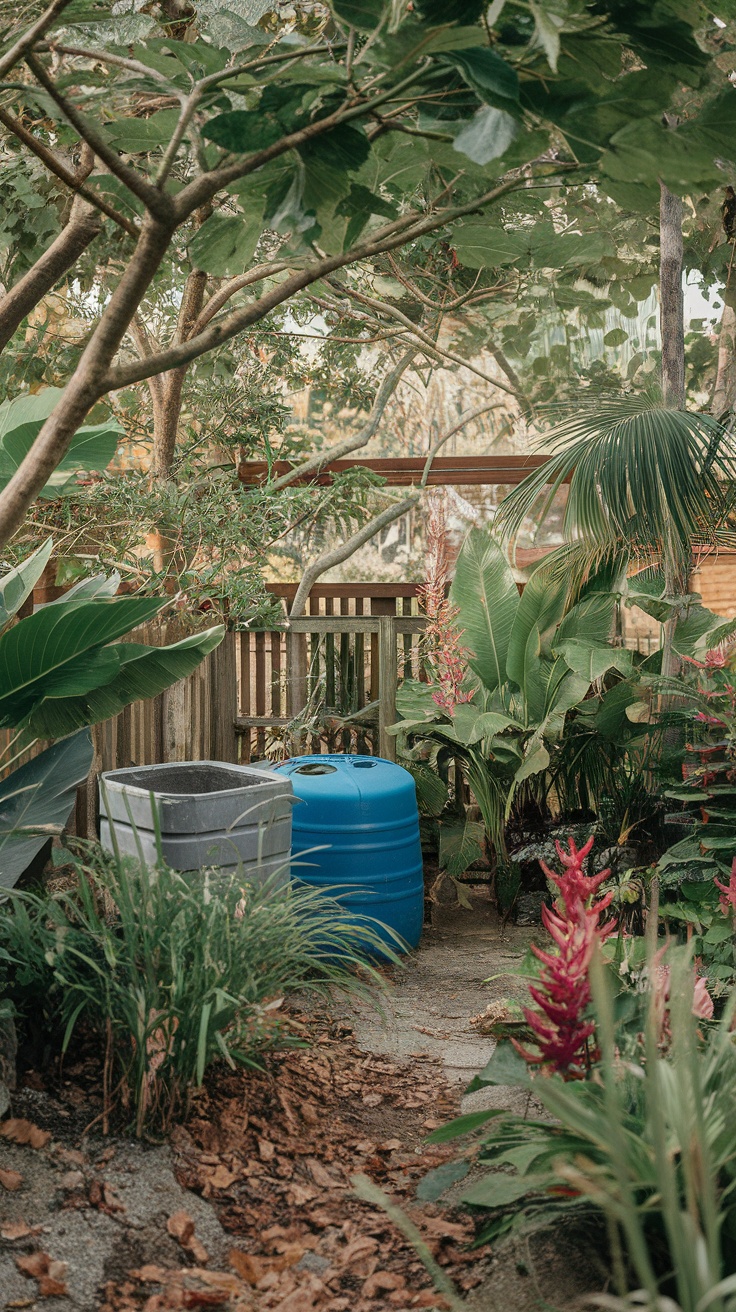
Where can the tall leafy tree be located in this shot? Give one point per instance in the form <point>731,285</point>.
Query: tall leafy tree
<point>274,158</point>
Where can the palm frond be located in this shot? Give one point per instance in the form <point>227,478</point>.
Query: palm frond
<point>639,474</point>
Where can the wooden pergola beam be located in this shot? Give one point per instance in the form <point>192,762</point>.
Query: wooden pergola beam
<point>406,471</point>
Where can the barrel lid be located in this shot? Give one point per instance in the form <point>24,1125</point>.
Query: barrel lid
<point>357,785</point>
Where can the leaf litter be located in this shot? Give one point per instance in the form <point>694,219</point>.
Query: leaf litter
<point>274,1151</point>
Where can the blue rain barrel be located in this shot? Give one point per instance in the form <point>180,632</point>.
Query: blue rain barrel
<point>362,811</point>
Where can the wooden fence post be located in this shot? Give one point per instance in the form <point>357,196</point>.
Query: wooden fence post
<point>296,673</point>
<point>387,678</point>
<point>224,700</point>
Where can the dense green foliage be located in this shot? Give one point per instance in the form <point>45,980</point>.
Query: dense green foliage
<point>171,972</point>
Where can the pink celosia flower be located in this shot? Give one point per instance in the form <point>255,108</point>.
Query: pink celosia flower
<point>441,645</point>
<point>560,1029</point>
<point>727,899</point>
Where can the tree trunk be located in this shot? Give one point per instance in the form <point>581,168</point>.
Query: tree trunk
<point>671,321</point>
<point>724,392</point>
<point>166,413</point>
<point>672,334</point>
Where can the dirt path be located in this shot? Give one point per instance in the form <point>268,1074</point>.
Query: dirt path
<point>251,1206</point>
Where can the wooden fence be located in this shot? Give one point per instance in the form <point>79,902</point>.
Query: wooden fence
<point>332,675</point>
<point>344,657</point>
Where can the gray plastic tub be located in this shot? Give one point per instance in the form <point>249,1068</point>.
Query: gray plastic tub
<point>209,813</point>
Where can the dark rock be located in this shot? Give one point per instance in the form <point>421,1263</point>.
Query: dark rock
<point>529,908</point>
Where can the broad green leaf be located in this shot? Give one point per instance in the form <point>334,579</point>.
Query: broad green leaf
<point>487,136</point>
<point>414,701</point>
<point>497,1189</point>
<point>547,33</point>
<point>487,599</point>
<point>472,725</point>
<point>100,585</point>
<point>461,11</point>
<point>432,791</point>
<point>365,15</point>
<point>480,246</point>
<point>138,136</point>
<point>38,797</point>
<point>225,245</point>
<point>506,1067</point>
<point>487,73</point>
<point>534,762</point>
<point>343,147</point>
<point>18,584</point>
<point>460,846</point>
<point>592,660</point>
<point>463,1125</point>
<point>139,672</point>
<point>243,131</point>
<point>539,611</point>
<point>56,642</point>
<point>21,420</point>
<point>435,1183</point>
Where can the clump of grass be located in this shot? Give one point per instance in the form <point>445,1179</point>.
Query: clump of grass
<point>173,971</point>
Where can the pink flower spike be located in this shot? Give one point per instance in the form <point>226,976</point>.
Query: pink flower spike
<point>562,993</point>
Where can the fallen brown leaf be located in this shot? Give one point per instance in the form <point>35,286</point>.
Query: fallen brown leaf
<point>49,1273</point>
<point>181,1227</point>
<point>221,1178</point>
<point>18,1230</point>
<point>24,1132</point>
<point>10,1179</point>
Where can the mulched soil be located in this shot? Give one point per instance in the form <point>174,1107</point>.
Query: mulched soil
<point>275,1153</point>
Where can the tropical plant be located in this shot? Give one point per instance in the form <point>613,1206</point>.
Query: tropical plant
<point>651,1142</point>
<point>172,972</point>
<point>61,669</point>
<point>644,480</point>
<point>533,659</point>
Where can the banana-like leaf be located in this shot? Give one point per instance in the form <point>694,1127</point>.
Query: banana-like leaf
<point>100,585</point>
<point>540,609</point>
<point>140,672</point>
<point>61,651</point>
<point>17,585</point>
<point>21,420</point>
<point>487,598</point>
<point>592,660</point>
<point>35,802</point>
<point>460,846</point>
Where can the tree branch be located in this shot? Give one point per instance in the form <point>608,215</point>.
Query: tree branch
<point>467,418</point>
<point>87,383</point>
<point>156,202</point>
<point>386,239</point>
<point>317,462</point>
<point>419,335</point>
<point>64,174</point>
<point>82,227</point>
<point>29,38</point>
<point>329,559</point>
<point>224,294</point>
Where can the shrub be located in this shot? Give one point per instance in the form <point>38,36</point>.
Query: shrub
<point>173,971</point>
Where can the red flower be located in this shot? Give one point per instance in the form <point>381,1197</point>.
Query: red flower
<point>562,995</point>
